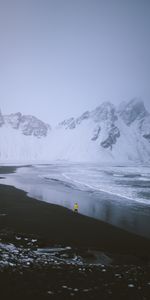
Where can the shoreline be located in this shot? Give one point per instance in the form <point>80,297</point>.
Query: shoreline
<point>58,225</point>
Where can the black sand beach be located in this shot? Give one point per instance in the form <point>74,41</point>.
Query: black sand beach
<point>127,275</point>
<point>58,225</point>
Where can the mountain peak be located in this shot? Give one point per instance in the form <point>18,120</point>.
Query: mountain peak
<point>28,124</point>
<point>104,112</point>
<point>132,110</point>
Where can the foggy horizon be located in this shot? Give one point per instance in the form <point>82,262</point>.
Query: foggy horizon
<point>61,58</point>
<point>71,115</point>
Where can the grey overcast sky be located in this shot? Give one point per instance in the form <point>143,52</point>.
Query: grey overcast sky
<point>59,58</point>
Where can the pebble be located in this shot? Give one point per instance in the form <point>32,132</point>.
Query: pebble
<point>85,290</point>
<point>118,276</point>
<point>130,285</point>
<point>50,293</point>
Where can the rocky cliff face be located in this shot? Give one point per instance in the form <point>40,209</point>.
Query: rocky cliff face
<point>102,118</point>
<point>144,127</point>
<point>28,125</point>
<point>1,119</point>
<point>112,136</point>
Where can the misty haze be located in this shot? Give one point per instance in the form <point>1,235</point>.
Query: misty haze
<point>75,149</point>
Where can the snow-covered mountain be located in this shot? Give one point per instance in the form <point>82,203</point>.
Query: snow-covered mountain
<point>106,134</point>
<point>28,125</point>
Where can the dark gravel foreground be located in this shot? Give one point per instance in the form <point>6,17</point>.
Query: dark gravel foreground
<point>72,282</point>
<point>48,252</point>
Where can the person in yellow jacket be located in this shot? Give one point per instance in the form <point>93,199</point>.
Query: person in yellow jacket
<point>76,207</point>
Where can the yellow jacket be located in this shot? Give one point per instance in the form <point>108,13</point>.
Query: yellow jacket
<point>76,206</point>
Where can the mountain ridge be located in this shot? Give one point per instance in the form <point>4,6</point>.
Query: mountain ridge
<point>105,134</point>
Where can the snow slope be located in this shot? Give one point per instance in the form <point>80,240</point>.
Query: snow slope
<point>106,134</point>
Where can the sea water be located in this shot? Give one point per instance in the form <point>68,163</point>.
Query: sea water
<point>118,195</point>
